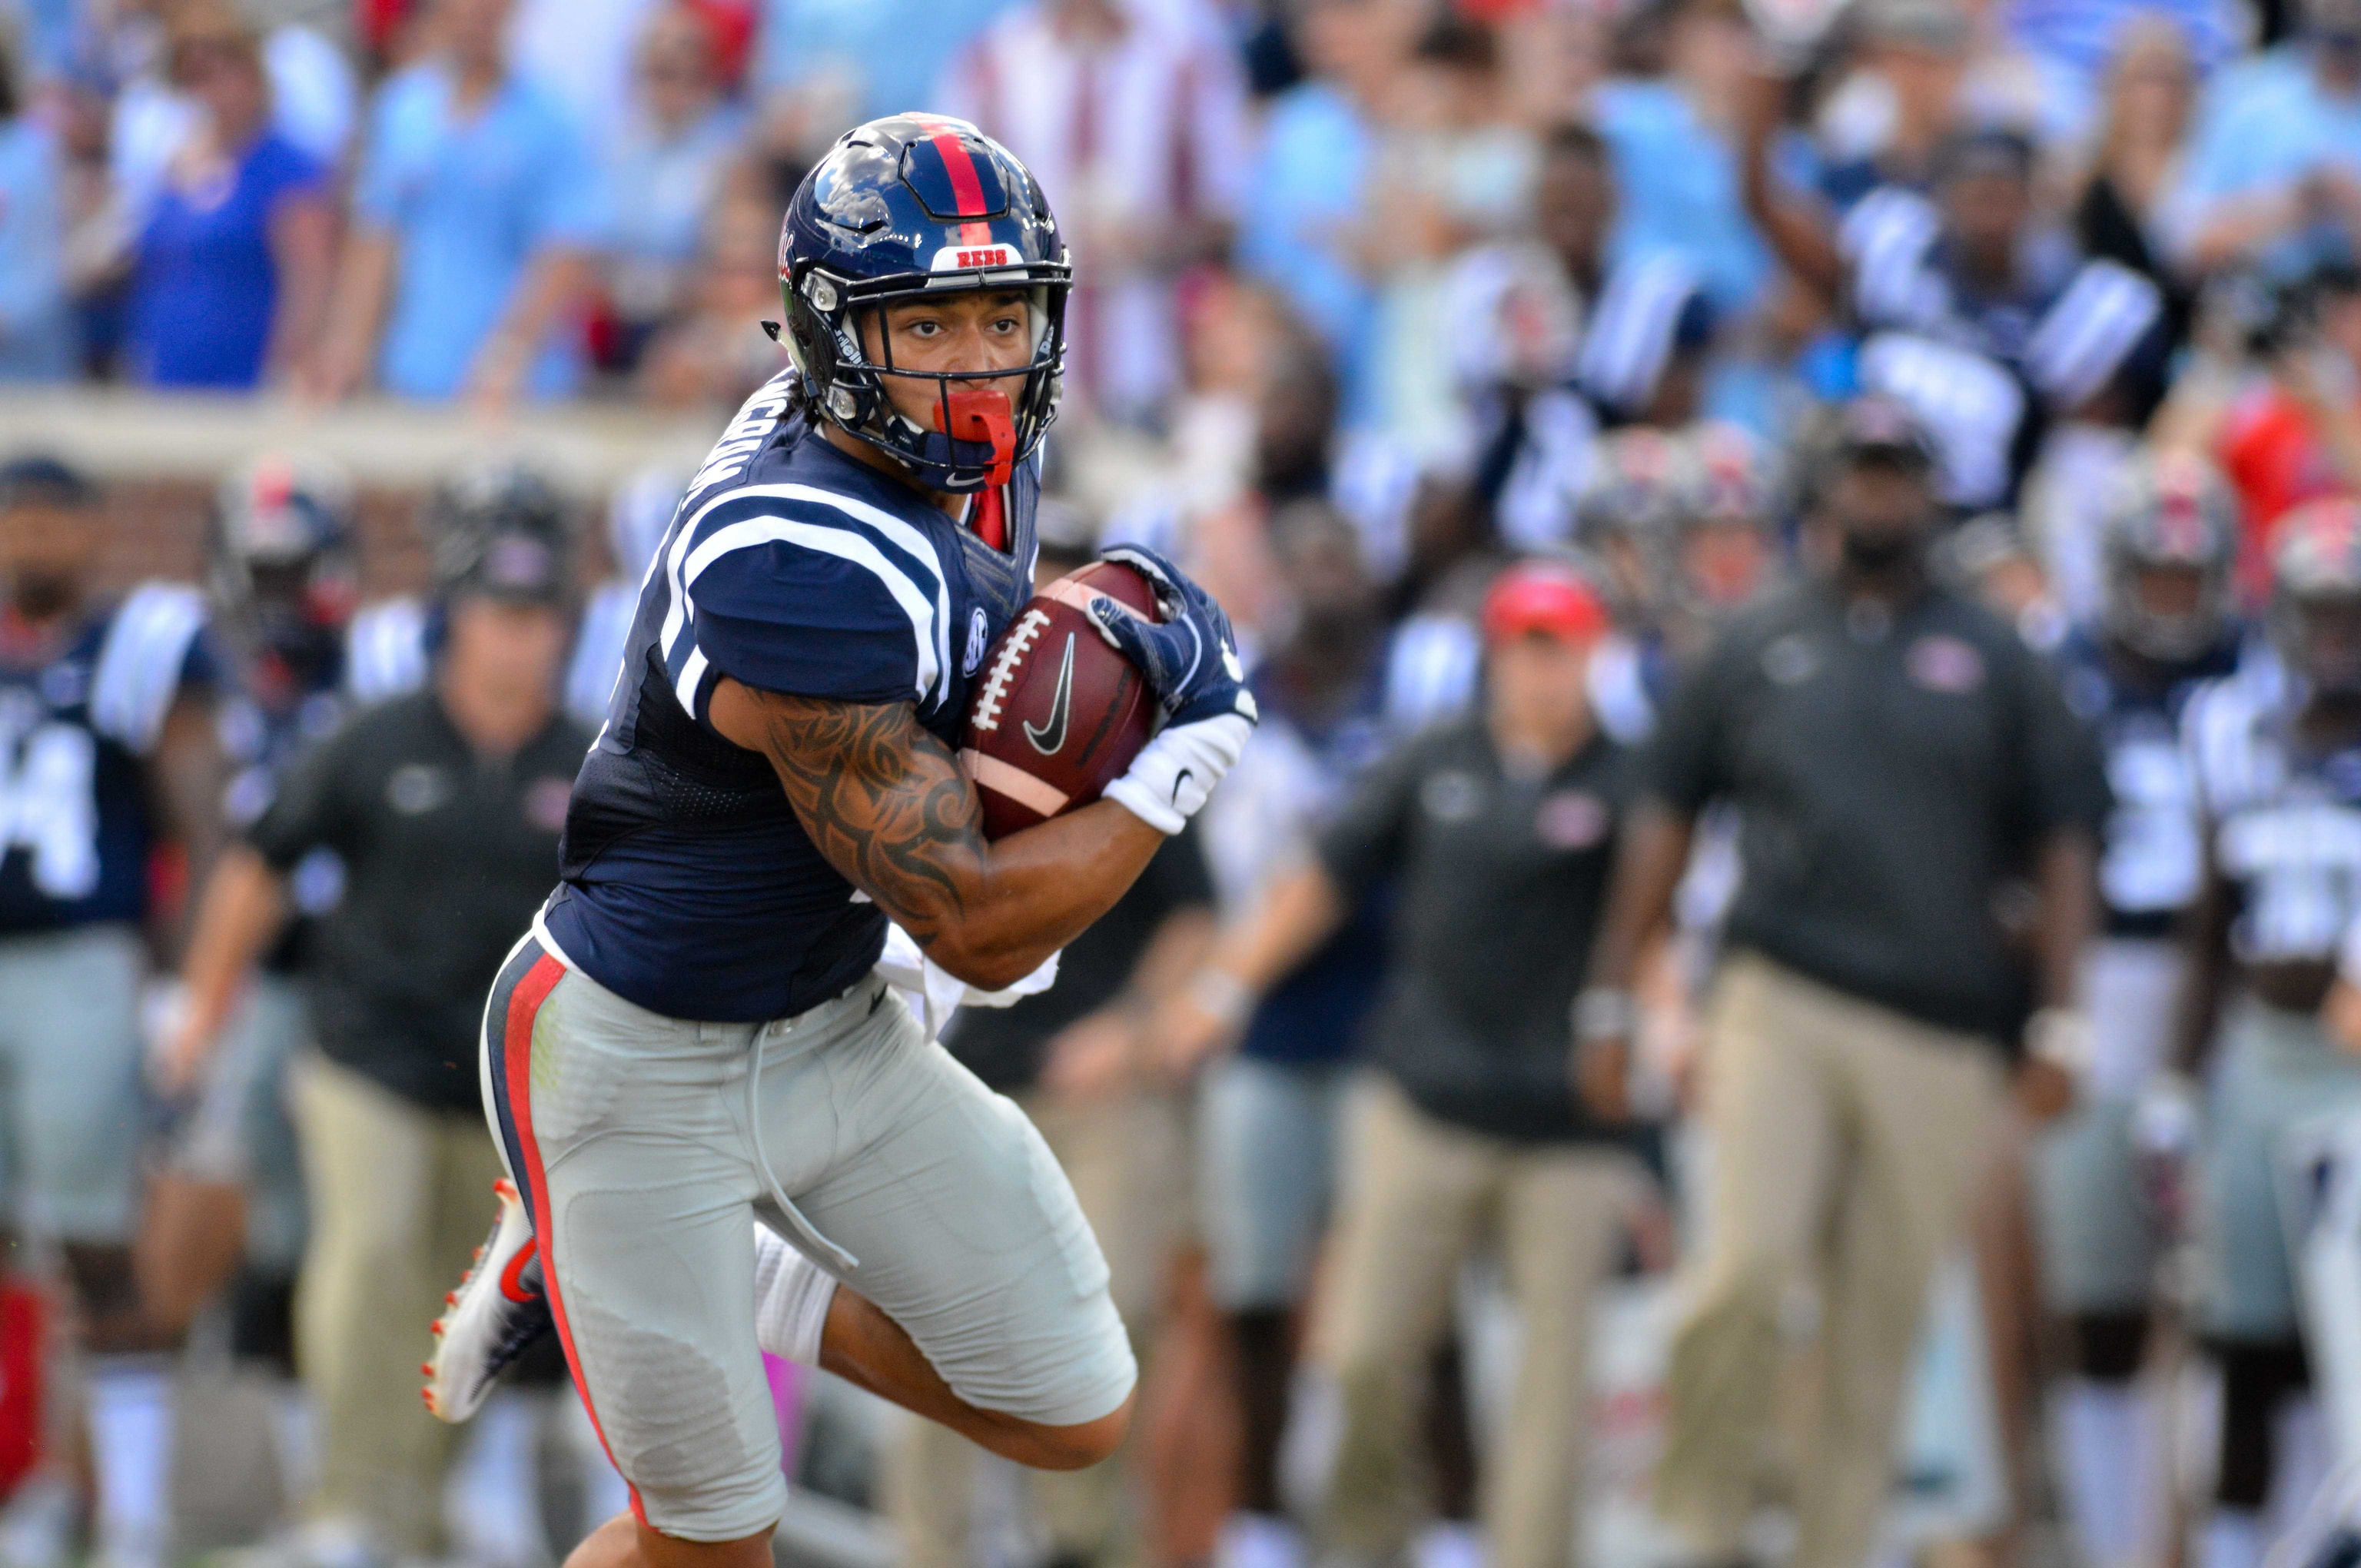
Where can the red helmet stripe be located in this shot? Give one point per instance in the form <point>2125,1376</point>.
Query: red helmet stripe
<point>966,188</point>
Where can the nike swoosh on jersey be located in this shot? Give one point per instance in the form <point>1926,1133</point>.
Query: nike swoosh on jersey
<point>1050,738</point>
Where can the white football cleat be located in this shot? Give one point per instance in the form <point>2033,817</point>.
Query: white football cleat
<point>495,1315</point>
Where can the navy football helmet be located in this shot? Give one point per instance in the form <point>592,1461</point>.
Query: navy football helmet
<point>917,204</point>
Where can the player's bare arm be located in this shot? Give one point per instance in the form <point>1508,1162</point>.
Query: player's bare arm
<point>885,801</point>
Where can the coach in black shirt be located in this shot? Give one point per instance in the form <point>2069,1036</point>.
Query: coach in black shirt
<point>1499,832</point>
<point>1897,757</point>
<point>444,807</point>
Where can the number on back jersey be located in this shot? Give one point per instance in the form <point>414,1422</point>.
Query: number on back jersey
<point>2153,858</point>
<point>48,803</point>
<point>2299,863</point>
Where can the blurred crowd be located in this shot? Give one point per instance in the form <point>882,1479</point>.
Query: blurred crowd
<point>1801,568</point>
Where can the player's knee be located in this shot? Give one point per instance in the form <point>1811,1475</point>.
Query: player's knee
<point>1080,1447</point>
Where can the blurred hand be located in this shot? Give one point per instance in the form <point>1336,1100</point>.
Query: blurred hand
<point>1602,1078</point>
<point>179,1058</point>
<point>2341,1014</point>
<point>1763,101</point>
<point>1090,1057</point>
<point>498,374</point>
<point>1187,1031</point>
<point>2044,1090</point>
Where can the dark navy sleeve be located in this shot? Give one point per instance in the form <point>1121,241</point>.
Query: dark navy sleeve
<point>826,613</point>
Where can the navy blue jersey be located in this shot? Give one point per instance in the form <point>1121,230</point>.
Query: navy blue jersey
<point>2152,857</point>
<point>688,886</point>
<point>272,711</point>
<point>2285,817</point>
<point>74,729</point>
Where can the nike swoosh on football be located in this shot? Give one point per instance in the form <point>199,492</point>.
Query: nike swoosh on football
<point>1050,738</point>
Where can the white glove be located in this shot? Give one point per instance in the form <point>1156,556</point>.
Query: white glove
<point>1176,771</point>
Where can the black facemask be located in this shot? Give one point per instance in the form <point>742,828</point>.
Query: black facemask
<point>1880,553</point>
<point>40,596</point>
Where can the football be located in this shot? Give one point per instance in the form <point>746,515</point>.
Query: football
<point>1056,714</point>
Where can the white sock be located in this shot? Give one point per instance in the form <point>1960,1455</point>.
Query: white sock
<point>791,1297</point>
<point>2299,1462</point>
<point>2106,1440</point>
<point>131,1445</point>
<point>2233,1538</point>
<point>296,1436</point>
<point>1258,1540</point>
<point>491,1495</point>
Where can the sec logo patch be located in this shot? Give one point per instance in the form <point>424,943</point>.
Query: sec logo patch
<point>1570,819</point>
<point>545,802</point>
<point>1945,664</point>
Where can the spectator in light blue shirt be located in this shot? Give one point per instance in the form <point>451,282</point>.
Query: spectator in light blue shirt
<point>477,212</point>
<point>1676,167</point>
<point>2274,167</point>
<point>669,158</point>
<point>36,333</point>
<point>1300,224</point>
<point>886,55</point>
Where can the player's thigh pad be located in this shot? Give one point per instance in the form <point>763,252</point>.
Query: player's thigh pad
<point>2276,1069</point>
<point>1267,1151</point>
<point>71,999</point>
<point>967,1233</point>
<point>2096,1231</point>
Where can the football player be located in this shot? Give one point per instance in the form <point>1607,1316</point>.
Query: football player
<point>2276,759</point>
<point>692,1035</point>
<point>106,743</point>
<point>2168,543</point>
<point>284,583</point>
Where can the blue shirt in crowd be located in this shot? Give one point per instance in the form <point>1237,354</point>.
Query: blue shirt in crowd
<point>204,287</point>
<point>2263,125</point>
<point>2083,35</point>
<point>470,203</point>
<point>1676,189</point>
<point>892,52</point>
<point>36,333</point>
<point>1305,192</point>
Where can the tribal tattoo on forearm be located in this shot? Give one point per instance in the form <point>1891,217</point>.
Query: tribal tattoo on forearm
<point>883,800</point>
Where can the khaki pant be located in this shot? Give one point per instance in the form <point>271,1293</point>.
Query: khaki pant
<point>399,1196</point>
<point>1844,1136</point>
<point>1125,1157</point>
<point>1419,1196</point>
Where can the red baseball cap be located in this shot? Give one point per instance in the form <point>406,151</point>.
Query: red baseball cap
<point>1547,597</point>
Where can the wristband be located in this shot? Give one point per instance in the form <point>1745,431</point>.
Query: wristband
<point>1221,995</point>
<point>1604,1012</point>
<point>2062,1036</point>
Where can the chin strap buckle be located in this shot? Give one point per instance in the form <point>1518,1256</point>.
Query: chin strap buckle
<point>983,415</point>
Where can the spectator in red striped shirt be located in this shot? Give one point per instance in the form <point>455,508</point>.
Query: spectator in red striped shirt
<point>1136,117</point>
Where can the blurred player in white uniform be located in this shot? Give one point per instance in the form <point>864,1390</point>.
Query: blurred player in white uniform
<point>2168,543</point>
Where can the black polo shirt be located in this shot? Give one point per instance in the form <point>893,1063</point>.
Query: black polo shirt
<point>1890,773</point>
<point>447,854</point>
<point>1499,884</point>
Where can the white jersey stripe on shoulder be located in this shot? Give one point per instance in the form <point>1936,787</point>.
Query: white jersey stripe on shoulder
<point>692,671</point>
<point>846,544</point>
<point>140,665</point>
<point>900,534</point>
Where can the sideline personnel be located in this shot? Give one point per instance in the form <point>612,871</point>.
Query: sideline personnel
<point>1895,755</point>
<point>444,807</point>
<point>1501,829</point>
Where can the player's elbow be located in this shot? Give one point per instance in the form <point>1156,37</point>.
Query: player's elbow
<point>983,967</point>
